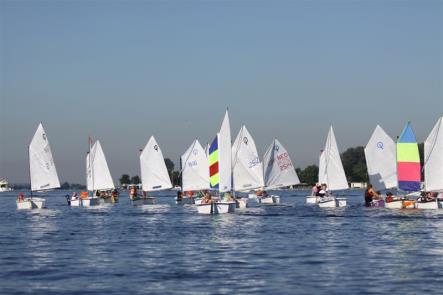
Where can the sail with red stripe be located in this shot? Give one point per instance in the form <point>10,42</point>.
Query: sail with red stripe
<point>408,161</point>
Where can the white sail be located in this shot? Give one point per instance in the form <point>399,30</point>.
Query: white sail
<point>195,168</point>
<point>380,153</point>
<point>279,171</point>
<point>98,175</point>
<point>88,174</point>
<point>334,174</point>
<point>247,169</point>
<point>322,177</point>
<point>433,164</point>
<point>154,174</point>
<point>41,163</point>
<point>224,155</point>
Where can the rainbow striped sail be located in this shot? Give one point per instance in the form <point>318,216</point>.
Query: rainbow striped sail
<point>408,161</point>
<point>214,176</point>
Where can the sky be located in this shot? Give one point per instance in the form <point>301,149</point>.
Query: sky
<point>121,71</point>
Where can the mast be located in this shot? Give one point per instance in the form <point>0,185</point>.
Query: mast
<point>29,162</point>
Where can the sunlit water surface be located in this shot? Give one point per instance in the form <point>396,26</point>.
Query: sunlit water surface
<point>167,249</point>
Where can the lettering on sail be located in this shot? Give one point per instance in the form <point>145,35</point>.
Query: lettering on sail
<point>283,161</point>
<point>192,163</point>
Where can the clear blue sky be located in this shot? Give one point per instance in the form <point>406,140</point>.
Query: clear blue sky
<point>122,71</point>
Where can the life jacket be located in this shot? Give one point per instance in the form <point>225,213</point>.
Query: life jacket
<point>389,199</point>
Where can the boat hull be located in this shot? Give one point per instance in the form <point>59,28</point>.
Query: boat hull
<point>89,202</point>
<point>333,202</point>
<point>224,207</point>
<point>216,208</point>
<point>25,205</point>
<point>269,200</point>
<point>397,204</point>
<point>427,205</point>
<point>75,203</point>
<point>205,208</point>
<point>39,203</point>
<point>312,199</point>
<point>378,203</point>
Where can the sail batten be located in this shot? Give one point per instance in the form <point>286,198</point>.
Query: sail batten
<point>43,173</point>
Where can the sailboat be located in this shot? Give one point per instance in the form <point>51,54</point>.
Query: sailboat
<point>247,170</point>
<point>381,162</point>
<point>408,164</point>
<point>433,166</point>
<point>220,170</point>
<point>194,171</point>
<point>278,170</point>
<point>98,176</point>
<point>331,172</point>
<point>154,174</point>
<point>42,171</point>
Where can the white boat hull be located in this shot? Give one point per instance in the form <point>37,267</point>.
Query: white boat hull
<point>39,202</point>
<point>25,204</point>
<point>427,205</point>
<point>89,202</point>
<point>333,202</point>
<point>143,201</point>
<point>269,200</point>
<point>205,208</point>
<point>312,199</point>
<point>216,208</point>
<point>224,207</point>
<point>398,204</point>
<point>75,203</point>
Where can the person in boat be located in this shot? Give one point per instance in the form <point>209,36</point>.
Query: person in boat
<point>114,195</point>
<point>84,195</point>
<point>179,196</point>
<point>20,197</point>
<point>426,197</point>
<point>389,197</point>
<point>228,197</point>
<point>323,192</point>
<point>315,189</point>
<point>74,196</point>
<point>133,192</point>
<point>190,194</point>
<point>370,195</point>
<point>207,198</point>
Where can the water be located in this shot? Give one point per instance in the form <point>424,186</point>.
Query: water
<point>167,249</point>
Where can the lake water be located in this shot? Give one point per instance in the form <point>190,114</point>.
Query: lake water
<point>170,249</point>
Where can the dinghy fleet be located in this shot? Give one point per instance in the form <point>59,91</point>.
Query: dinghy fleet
<point>224,177</point>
